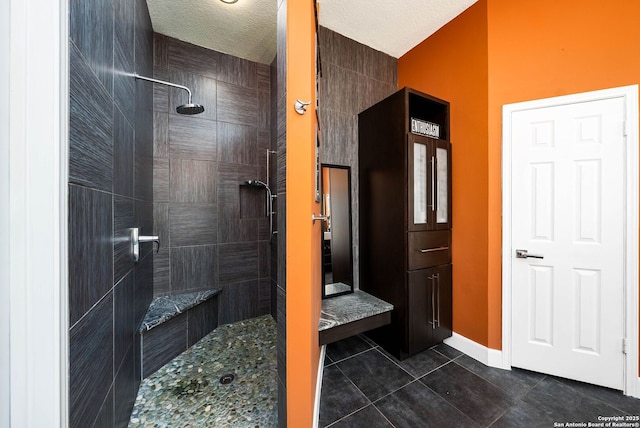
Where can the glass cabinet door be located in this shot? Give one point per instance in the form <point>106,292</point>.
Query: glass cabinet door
<point>429,184</point>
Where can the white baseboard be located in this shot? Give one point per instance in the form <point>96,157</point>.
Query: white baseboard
<point>316,406</point>
<point>487,356</point>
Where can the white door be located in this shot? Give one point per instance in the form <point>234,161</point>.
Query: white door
<point>567,205</point>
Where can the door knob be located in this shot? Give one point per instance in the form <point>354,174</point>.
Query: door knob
<point>524,254</point>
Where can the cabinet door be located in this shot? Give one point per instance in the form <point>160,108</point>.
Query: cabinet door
<point>420,313</point>
<point>442,303</point>
<point>429,183</point>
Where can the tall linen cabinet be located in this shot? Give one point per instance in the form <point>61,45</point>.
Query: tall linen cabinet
<point>404,157</point>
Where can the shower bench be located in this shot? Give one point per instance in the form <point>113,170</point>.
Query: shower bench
<point>173,324</point>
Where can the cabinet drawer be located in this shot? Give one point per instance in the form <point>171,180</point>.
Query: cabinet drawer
<point>429,249</point>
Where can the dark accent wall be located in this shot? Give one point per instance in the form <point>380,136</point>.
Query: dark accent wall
<point>279,247</point>
<point>110,190</point>
<point>213,230</point>
<point>354,77</point>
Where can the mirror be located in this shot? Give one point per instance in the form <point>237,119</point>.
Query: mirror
<point>337,260</point>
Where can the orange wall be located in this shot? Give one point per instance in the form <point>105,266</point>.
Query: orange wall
<point>452,65</point>
<point>513,51</point>
<point>303,238</point>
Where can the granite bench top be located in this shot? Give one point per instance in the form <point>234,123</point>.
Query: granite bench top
<point>164,308</point>
<point>340,310</point>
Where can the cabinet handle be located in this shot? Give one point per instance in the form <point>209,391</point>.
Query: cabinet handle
<point>433,303</point>
<point>433,183</point>
<point>429,250</point>
<point>436,277</point>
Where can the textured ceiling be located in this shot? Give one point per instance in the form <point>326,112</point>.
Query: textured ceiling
<point>247,29</point>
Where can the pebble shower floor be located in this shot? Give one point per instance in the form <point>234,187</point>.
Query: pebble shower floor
<point>193,389</point>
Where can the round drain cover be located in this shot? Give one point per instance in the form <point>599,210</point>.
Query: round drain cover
<point>226,379</point>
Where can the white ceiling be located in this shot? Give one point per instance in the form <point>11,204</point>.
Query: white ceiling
<point>247,29</point>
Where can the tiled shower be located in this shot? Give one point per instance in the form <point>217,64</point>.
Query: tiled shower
<point>134,162</point>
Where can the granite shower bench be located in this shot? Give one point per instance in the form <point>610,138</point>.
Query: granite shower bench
<point>173,324</point>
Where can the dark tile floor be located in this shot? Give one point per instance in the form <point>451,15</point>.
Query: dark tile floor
<point>364,386</point>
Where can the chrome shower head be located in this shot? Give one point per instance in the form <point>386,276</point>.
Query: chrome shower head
<point>190,108</point>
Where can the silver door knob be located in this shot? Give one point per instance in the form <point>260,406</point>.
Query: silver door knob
<point>524,254</point>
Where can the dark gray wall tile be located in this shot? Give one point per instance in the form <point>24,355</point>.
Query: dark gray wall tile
<point>91,29</point>
<point>203,318</point>
<point>237,104</point>
<point>90,363</point>
<point>105,415</point>
<point>193,59</point>
<point>264,77</point>
<point>237,71</point>
<point>238,262</point>
<point>90,249</point>
<point>160,179</point>
<point>192,138</point>
<point>194,268</point>
<point>233,227</point>
<point>239,301</point>
<point>160,134</point>
<point>193,224</point>
<point>160,51</point>
<point>264,296</point>
<point>162,343</point>
<point>161,91</point>
<point>90,127</point>
<point>125,389</point>
<point>193,181</point>
<point>124,327</point>
<point>123,155</point>
<point>123,60</point>
<point>237,144</point>
<point>143,292</point>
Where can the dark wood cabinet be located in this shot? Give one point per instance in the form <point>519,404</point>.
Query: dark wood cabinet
<point>405,217</point>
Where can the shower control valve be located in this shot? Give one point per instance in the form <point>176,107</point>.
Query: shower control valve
<point>136,239</point>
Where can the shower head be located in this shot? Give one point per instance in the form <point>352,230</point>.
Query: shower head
<point>256,183</point>
<point>188,108</point>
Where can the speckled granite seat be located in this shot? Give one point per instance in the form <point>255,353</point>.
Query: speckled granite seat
<point>164,308</point>
<point>173,324</point>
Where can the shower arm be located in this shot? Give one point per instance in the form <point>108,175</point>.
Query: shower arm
<point>162,82</point>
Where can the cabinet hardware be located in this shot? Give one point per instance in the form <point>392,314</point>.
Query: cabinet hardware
<point>433,183</point>
<point>429,250</point>
<point>433,302</point>
<point>437,280</point>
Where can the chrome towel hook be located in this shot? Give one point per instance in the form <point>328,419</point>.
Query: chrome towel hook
<point>301,107</point>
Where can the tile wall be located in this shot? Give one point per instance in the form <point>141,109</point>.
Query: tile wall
<point>110,190</point>
<point>214,231</point>
<point>354,77</point>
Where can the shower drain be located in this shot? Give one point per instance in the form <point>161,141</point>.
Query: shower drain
<point>227,379</point>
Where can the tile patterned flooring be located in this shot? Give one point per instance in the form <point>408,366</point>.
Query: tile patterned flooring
<point>364,386</point>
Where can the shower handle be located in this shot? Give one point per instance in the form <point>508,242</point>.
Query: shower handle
<point>136,239</point>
